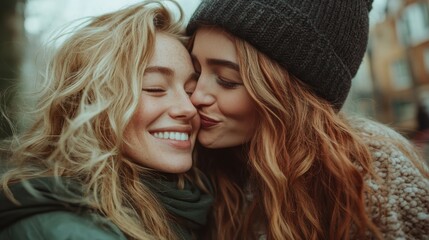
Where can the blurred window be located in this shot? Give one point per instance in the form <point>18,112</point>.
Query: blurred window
<point>414,25</point>
<point>401,75</point>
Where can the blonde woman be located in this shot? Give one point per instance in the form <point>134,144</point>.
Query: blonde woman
<point>286,163</point>
<point>113,129</point>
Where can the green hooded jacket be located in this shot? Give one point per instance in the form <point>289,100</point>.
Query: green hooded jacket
<point>49,212</point>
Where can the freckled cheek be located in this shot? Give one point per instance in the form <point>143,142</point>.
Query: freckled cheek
<point>138,116</point>
<point>141,118</point>
<point>148,110</point>
<point>135,127</point>
<point>239,107</point>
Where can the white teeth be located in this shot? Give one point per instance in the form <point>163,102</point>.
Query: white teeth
<point>180,136</point>
<point>183,136</point>
<point>172,136</point>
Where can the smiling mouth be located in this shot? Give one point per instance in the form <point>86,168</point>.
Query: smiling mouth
<point>178,136</point>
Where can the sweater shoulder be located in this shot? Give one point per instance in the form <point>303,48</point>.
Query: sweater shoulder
<point>398,200</point>
<point>390,150</point>
<point>371,130</point>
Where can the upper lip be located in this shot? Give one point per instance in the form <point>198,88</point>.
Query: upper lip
<point>185,129</point>
<point>204,117</point>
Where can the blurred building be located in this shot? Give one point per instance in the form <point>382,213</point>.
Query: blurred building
<point>398,58</point>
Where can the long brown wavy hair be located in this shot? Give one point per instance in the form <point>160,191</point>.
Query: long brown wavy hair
<point>298,176</point>
<point>93,87</point>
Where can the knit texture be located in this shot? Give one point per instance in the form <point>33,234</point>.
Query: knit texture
<point>320,42</point>
<point>402,192</point>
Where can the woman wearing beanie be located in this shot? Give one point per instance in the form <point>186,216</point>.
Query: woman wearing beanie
<point>285,162</point>
<point>114,129</point>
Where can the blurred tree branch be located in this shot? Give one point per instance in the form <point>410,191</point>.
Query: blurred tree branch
<point>11,39</point>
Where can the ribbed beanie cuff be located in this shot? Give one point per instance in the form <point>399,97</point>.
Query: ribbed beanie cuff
<point>322,43</point>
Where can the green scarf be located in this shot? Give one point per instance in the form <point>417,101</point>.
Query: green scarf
<point>189,204</point>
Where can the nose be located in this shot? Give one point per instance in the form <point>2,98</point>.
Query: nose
<point>183,107</point>
<point>202,96</point>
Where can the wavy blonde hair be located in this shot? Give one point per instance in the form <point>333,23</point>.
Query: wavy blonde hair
<point>300,165</point>
<point>94,89</point>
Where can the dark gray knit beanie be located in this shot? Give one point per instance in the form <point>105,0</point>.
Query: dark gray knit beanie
<point>322,42</point>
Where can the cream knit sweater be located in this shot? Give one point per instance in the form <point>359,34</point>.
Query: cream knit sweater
<point>399,203</point>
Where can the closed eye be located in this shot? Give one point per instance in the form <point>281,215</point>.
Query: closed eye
<point>153,90</point>
<point>156,92</point>
<point>227,84</point>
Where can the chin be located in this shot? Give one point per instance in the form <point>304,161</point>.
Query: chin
<point>179,168</point>
<point>208,144</point>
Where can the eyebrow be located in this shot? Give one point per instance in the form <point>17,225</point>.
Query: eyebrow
<point>220,62</point>
<point>224,63</point>
<point>157,69</point>
<point>168,72</point>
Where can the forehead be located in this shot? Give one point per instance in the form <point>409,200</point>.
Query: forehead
<point>214,43</point>
<point>170,52</point>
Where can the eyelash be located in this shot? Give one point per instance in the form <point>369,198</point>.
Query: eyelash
<point>154,90</point>
<point>227,84</point>
<point>160,90</point>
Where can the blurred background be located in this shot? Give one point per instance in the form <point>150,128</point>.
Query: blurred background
<point>392,84</point>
